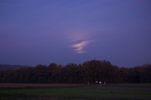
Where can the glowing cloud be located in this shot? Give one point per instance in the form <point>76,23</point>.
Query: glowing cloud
<point>80,46</point>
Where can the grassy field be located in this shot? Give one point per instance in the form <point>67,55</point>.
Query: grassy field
<point>83,92</point>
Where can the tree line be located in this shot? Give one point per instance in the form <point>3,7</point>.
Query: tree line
<point>88,72</point>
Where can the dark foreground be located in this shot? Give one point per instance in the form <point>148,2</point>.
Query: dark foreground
<point>76,92</point>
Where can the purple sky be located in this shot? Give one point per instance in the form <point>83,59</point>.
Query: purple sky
<point>65,31</point>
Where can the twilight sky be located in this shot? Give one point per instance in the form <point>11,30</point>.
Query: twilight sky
<point>64,31</point>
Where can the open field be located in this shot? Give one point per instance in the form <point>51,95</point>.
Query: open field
<point>76,92</point>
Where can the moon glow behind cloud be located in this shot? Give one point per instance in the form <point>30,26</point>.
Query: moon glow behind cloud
<point>79,46</point>
<point>80,40</point>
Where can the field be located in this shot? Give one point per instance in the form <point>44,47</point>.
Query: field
<point>75,92</point>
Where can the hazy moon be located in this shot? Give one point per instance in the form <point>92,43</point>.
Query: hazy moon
<point>79,46</point>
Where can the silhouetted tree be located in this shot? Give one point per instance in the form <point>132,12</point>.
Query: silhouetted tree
<point>98,71</point>
<point>54,71</point>
<point>89,72</point>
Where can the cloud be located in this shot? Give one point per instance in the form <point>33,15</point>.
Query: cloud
<point>79,46</point>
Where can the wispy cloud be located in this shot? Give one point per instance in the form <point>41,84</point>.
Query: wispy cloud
<point>80,46</point>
